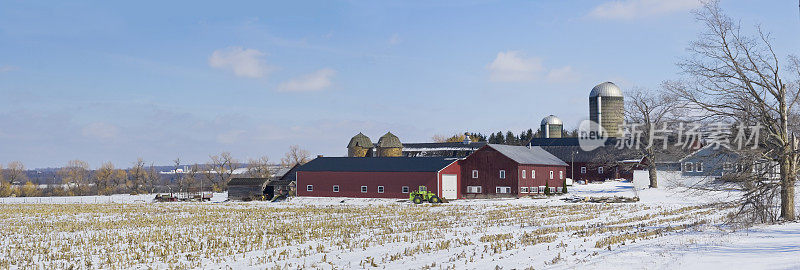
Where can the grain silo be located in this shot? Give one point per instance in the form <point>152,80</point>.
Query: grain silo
<point>389,146</point>
<point>606,107</point>
<point>359,146</point>
<point>552,127</point>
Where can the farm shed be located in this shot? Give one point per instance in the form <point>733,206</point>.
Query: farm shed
<point>246,189</point>
<point>378,177</point>
<point>603,163</point>
<point>283,182</point>
<point>511,171</point>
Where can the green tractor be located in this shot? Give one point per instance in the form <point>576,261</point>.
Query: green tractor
<point>423,195</point>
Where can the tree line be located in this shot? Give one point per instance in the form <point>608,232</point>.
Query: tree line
<point>507,138</point>
<point>77,178</point>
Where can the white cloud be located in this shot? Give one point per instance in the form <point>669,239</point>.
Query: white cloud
<point>513,66</point>
<point>229,137</point>
<point>315,81</point>
<point>100,130</point>
<point>562,74</point>
<point>244,62</point>
<point>394,39</point>
<point>7,68</point>
<point>633,9</point>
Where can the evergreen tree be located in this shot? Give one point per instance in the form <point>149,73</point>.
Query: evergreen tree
<point>564,189</point>
<point>547,188</point>
<point>499,139</point>
<point>511,139</point>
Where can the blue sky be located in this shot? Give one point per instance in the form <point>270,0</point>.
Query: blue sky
<point>111,81</point>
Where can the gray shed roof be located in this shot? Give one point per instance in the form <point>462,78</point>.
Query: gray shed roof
<point>247,181</point>
<point>524,155</point>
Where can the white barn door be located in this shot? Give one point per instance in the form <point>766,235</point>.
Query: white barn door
<point>449,186</point>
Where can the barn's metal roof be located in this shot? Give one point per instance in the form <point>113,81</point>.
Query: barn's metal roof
<point>444,146</point>
<point>376,164</point>
<point>524,155</point>
<point>606,89</point>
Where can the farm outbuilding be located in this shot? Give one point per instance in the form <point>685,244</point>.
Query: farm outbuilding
<point>246,189</point>
<point>378,177</point>
<point>511,171</point>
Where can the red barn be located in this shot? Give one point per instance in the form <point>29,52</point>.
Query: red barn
<point>511,171</point>
<point>378,177</point>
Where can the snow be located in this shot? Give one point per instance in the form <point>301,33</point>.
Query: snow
<point>667,229</point>
<point>762,247</point>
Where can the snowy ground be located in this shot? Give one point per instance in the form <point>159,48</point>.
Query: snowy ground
<point>666,229</point>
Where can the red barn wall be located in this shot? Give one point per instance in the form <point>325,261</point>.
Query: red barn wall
<point>609,172</point>
<point>542,176</point>
<point>350,183</point>
<point>488,162</point>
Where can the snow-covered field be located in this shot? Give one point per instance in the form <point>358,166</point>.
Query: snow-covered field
<point>663,230</point>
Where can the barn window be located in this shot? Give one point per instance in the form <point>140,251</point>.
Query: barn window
<point>600,170</point>
<point>473,189</point>
<point>474,173</point>
<point>698,167</point>
<point>533,174</point>
<point>534,190</point>
<point>541,189</point>
<point>551,174</point>
<point>363,189</point>
<point>560,174</point>
<point>405,189</point>
<point>687,167</point>
<point>552,189</point>
<point>502,174</point>
<point>523,174</point>
<point>380,189</point>
<point>423,188</point>
<point>523,190</point>
<point>583,170</point>
<point>310,188</point>
<point>503,190</point>
<point>335,188</point>
<point>560,189</point>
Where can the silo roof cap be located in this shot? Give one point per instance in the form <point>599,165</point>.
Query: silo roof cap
<point>606,89</point>
<point>552,120</point>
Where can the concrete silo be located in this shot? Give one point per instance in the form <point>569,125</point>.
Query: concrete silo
<point>607,107</point>
<point>552,127</point>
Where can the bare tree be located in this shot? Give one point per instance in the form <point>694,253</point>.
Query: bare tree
<point>76,174</point>
<point>296,155</point>
<point>192,176</point>
<point>152,177</point>
<point>179,175</point>
<point>651,111</point>
<point>137,177</point>
<point>102,178</point>
<point>739,77</point>
<point>258,168</point>
<point>223,166</point>
<point>16,172</point>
